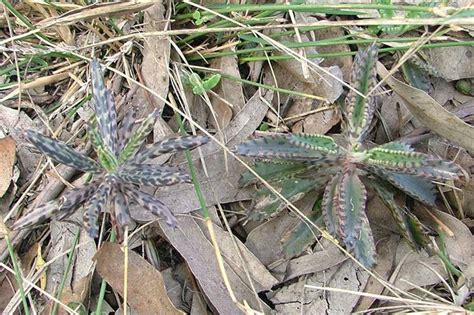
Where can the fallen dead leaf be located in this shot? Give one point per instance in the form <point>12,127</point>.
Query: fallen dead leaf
<point>452,63</point>
<point>146,289</point>
<point>190,241</point>
<point>430,113</point>
<point>7,159</point>
<point>227,90</point>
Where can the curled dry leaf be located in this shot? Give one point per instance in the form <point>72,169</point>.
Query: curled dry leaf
<point>7,158</point>
<point>146,297</point>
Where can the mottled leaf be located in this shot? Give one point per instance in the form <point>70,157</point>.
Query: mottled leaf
<point>104,108</point>
<point>138,136</point>
<point>277,147</point>
<point>169,145</point>
<point>416,76</point>
<point>361,108</point>
<point>125,129</point>
<point>76,197</point>
<point>150,203</point>
<point>272,172</point>
<point>364,246</point>
<point>61,152</point>
<point>417,187</point>
<point>38,215</point>
<point>408,224</point>
<point>352,196</point>
<point>152,175</point>
<point>329,206</point>
<point>303,234</point>
<point>106,158</point>
<point>319,143</point>
<point>293,189</point>
<point>396,160</point>
<point>120,207</point>
<point>96,206</point>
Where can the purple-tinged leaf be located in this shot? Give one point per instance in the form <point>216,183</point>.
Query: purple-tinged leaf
<point>77,197</point>
<point>417,187</point>
<point>352,197</point>
<point>152,175</point>
<point>361,108</point>
<point>125,129</point>
<point>38,215</point>
<point>364,247</point>
<point>169,145</point>
<point>278,147</point>
<point>120,207</point>
<point>150,203</point>
<point>329,206</point>
<point>97,205</point>
<point>104,108</point>
<point>61,152</point>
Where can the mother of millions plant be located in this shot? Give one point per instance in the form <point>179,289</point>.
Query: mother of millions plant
<point>124,165</point>
<point>304,162</point>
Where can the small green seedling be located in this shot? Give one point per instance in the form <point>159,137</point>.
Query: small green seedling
<point>201,86</point>
<point>301,163</point>
<point>124,165</point>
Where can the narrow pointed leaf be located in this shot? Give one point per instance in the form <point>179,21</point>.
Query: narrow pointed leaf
<point>395,145</point>
<point>272,172</point>
<point>169,145</point>
<point>106,158</point>
<point>352,197</point>
<point>318,143</point>
<point>329,206</point>
<point>361,109</point>
<point>396,160</point>
<point>104,108</point>
<point>277,147</point>
<point>125,130</point>
<point>150,203</point>
<point>152,175</point>
<point>138,136</point>
<point>97,205</point>
<point>76,198</point>
<point>417,187</point>
<point>38,215</point>
<point>61,152</point>
<point>303,235</point>
<point>120,208</point>
<point>408,224</point>
<point>364,247</point>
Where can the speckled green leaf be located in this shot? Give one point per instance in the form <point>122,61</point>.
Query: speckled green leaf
<point>417,187</point>
<point>319,143</point>
<point>293,189</point>
<point>361,108</point>
<point>138,136</point>
<point>396,160</point>
<point>277,147</point>
<point>408,224</point>
<point>272,172</point>
<point>303,235</point>
<point>364,246</point>
<point>329,206</point>
<point>351,199</point>
<point>61,152</point>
